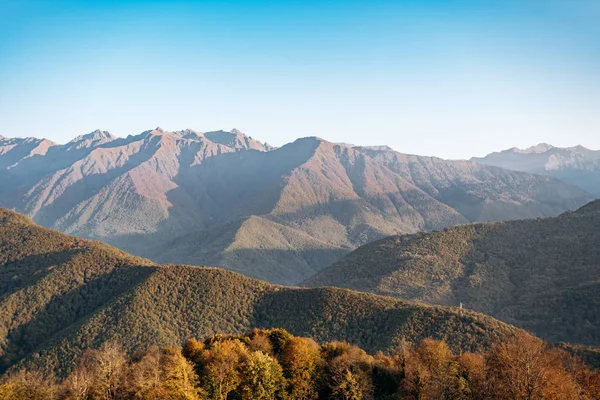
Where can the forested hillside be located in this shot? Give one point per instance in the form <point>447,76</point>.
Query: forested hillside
<point>542,275</point>
<point>272,364</point>
<point>60,295</point>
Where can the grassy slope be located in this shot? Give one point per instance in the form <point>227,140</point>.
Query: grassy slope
<point>60,294</point>
<point>542,275</point>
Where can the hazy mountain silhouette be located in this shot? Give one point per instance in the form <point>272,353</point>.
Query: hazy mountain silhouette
<point>223,198</point>
<point>576,165</point>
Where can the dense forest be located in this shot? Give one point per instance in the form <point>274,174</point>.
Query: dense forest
<point>273,364</point>
<point>542,275</point>
<point>60,295</point>
<point>104,324</point>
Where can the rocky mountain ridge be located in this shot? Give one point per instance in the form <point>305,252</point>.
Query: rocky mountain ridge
<point>576,165</point>
<point>225,199</point>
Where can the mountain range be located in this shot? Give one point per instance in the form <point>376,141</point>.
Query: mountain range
<point>542,275</point>
<point>576,165</point>
<point>60,295</point>
<point>278,214</point>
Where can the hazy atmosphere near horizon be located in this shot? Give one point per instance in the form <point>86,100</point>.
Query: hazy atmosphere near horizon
<point>453,79</point>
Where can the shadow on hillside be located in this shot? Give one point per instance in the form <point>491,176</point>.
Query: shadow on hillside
<point>220,191</point>
<point>176,244</point>
<point>17,153</point>
<point>209,248</point>
<point>64,310</point>
<point>29,270</point>
<point>328,314</point>
<point>31,169</point>
<point>234,185</point>
<point>283,267</point>
<point>84,189</point>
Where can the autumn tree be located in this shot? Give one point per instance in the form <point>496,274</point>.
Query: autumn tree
<point>442,371</point>
<point>278,339</point>
<point>262,378</point>
<point>387,377</point>
<point>193,350</point>
<point>179,380</point>
<point>302,364</point>
<point>260,340</point>
<point>144,378</point>
<point>109,365</point>
<point>79,385</point>
<point>402,355</point>
<point>221,365</point>
<point>472,370</point>
<point>293,368</point>
<point>27,385</point>
<point>349,371</point>
<point>98,374</point>
<point>587,379</point>
<point>522,368</point>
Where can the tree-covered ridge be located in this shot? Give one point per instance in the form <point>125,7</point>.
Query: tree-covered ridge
<point>273,364</point>
<point>542,275</point>
<point>60,295</point>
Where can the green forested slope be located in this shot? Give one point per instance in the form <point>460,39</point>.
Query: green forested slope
<point>542,275</point>
<point>60,295</point>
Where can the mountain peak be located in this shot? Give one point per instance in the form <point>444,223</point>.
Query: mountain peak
<point>382,147</point>
<point>374,147</point>
<point>537,149</point>
<point>158,131</point>
<point>236,139</point>
<point>96,137</point>
<point>344,144</point>
<point>582,164</point>
<point>315,139</point>
<point>580,149</point>
<point>223,137</point>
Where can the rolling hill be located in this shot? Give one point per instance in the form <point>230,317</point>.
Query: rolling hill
<point>60,294</point>
<point>576,165</point>
<point>223,198</point>
<point>542,275</point>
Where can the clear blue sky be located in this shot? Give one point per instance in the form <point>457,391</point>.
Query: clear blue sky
<point>447,78</point>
